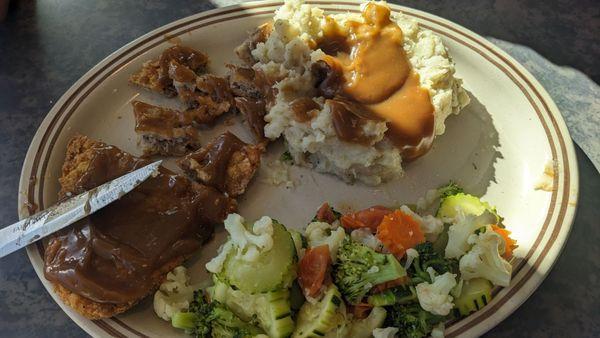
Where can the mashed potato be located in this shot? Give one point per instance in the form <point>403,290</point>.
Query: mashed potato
<point>287,56</point>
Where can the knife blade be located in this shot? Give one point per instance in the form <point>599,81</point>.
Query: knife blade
<point>58,216</point>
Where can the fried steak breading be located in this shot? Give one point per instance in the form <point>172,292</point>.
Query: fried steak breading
<point>164,131</point>
<point>260,34</point>
<point>109,261</point>
<point>227,163</point>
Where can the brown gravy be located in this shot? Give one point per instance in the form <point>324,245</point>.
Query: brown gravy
<point>254,110</point>
<point>348,118</point>
<point>116,254</point>
<point>304,109</point>
<point>186,56</point>
<point>368,65</point>
<point>215,159</point>
<point>158,120</point>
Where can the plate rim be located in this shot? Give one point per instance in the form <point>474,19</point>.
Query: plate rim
<point>158,35</point>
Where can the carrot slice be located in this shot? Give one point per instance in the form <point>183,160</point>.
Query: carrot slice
<point>367,218</point>
<point>313,269</point>
<point>399,232</point>
<point>510,243</point>
<point>325,214</point>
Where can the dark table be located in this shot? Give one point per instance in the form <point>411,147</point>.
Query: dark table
<point>45,46</point>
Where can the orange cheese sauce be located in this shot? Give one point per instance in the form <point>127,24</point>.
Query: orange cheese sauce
<point>376,73</point>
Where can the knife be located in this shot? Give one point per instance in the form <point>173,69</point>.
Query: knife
<point>58,216</point>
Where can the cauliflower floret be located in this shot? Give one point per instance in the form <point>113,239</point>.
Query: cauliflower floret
<point>411,254</point>
<point>438,331</point>
<point>250,244</point>
<point>215,265</point>
<point>429,200</point>
<point>388,332</point>
<point>174,295</point>
<point>463,227</point>
<point>367,238</point>
<point>484,259</point>
<point>320,233</point>
<point>430,226</point>
<point>435,297</point>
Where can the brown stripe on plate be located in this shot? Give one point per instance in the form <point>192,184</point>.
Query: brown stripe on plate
<point>128,328</point>
<point>108,329</point>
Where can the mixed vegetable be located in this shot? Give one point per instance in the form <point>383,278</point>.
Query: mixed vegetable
<point>378,272</point>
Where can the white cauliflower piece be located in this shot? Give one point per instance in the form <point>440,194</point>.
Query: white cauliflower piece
<point>215,265</point>
<point>484,260</point>
<point>411,254</point>
<point>321,233</point>
<point>363,328</point>
<point>388,332</point>
<point>250,243</point>
<point>438,331</point>
<point>174,295</point>
<point>367,238</point>
<point>430,226</point>
<point>427,202</point>
<point>462,228</point>
<point>435,297</point>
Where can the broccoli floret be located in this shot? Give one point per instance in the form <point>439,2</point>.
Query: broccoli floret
<point>287,157</point>
<point>449,189</point>
<point>411,320</point>
<point>428,257</point>
<point>359,268</point>
<point>213,319</point>
<point>402,294</point>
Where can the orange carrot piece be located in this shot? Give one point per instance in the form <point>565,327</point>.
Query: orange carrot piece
<point>399,232</point>
<point>325,214</point>
<point>367,218</point>
<point>510,243</point>
<point>312,270</point>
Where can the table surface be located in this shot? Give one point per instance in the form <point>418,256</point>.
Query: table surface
<point>45,46</point>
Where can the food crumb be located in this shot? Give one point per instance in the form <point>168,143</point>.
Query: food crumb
<point>546,180</point>
<point>277,173</point>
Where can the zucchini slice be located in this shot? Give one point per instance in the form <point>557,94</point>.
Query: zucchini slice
<point>272,270</point>
<point>476,293</point>
<point>316,319</point>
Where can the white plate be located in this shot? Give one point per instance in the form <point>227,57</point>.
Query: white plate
<point>497,147</point>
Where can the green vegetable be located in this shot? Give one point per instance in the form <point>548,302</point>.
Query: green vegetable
<point>272,310</point>
<point>411,320</point>
<point>440,243</point>
<point>359,268</point>
<point>428,257</point>
<point>300,242</point>
<point>316,319</point>
<point>468,204</point>
<point>395,295</point>
<point>296,297</point>
<point>205,319</point>
<point>476,293</point>
<point>363,328</point>
<point>287,157</point>
<point>449,190</point>
<point>273,269</point>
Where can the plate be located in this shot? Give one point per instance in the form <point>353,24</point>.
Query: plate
<point>497,147</point>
